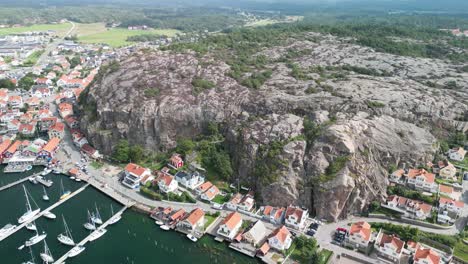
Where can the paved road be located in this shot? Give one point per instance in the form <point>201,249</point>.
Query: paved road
<point>43,59</point>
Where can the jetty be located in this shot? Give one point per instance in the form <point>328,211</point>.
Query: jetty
<point>44,182</point>
<point>8,186</point>
<point>86,239</point>
<point>44,211</point>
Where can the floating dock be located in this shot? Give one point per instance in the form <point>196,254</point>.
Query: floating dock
<point>8,186</point>
<point>44,211</point>
<point>86,239</point>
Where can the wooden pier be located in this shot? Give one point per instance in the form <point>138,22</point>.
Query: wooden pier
<point>44,211</point>
<point>8,186</point>
<point>86,239</point>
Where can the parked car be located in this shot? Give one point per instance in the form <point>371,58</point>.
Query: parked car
<point>310,232</point>
<point>314,226</point>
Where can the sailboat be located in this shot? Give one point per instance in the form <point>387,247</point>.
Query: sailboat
<point>45,197</point>
<point>49,215</point>
<point>31,226</point>
<point>97,234</point>
<point>90,224</point>
<point>66,238</point>
<point>32,261</point>
<point>35,239</point>
<point>97,217</point>
<point>65,194</point>
<point>46,256</point>
<point>29,212</point>
<point>115,218</point>
<point>75,251</point>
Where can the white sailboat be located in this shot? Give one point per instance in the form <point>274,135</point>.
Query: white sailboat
<point>97,234</point>
<point>29,212</point>
<point>32,260</point>
<point>46,256</point>
<point>49,215</point>
<point>31,226</point>
<point>6,229</point>
<point>35,239</point>
<point>75,251</point>
<point>64,194</point>
<point>115,218</point>
<point>66,238</point>
<point>90,224</point>
<point>97,217</point>
<point>45,197</point>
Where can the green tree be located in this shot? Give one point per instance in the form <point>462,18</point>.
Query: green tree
<point>121,151</point>
<point>5,83</point>
<point>185,146</point>
<point>26,82</point>
<point>76,60</point>
<point>136,153</point>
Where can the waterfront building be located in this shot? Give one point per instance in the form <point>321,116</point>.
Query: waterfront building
<point>255,234</point>
<point>193,221</point>
<point>230,226</point>
<point>280,239</point>
<point>295,217</point>
<point>189,180</point>
<point>134,174</point>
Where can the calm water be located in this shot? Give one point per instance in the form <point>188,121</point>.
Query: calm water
<point>135,239</point>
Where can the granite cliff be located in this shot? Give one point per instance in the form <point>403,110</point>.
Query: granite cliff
<point>366,121</point>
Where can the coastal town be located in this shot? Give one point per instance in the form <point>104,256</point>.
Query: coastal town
<point>41,79</point>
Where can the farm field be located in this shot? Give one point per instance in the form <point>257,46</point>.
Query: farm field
<point>117,37</point>
<point>61,29</point>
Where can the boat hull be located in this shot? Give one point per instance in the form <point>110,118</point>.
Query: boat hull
<point>65,240</point>
<point>35,239</point>
<point>76,251</point>
<point>28,215</point>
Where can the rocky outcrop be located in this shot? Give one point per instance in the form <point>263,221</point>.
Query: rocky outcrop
<point>367,122</point>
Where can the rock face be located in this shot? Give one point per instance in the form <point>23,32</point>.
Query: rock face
<point>150,100</point>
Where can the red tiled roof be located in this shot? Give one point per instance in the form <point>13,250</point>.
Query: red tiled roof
<point>443,201</point>
<point>51,145</point>
<point>430,255</point>
<point>4,145</point>
<point>395,241</point>
<point>297,212</point>
<point>362,228</point>
<point>13,147</point>
<point>135,169</point>
<point>232,220</point>
<point>282,233</point>
<point>177,214</point>
<point>205,186</point>
<point>413,173</point>
<point>195,216</point>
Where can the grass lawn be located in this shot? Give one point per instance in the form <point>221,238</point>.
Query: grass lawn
<point>117,37</point>
<point>262,22</point>
<point>61,29</point>
<point>325,256</point>
<point>32,59</point>
<point>221,199</point>
<point>461,251</point>
<point>463,163</point>
<point>209,219</point>
<point>97,165</point>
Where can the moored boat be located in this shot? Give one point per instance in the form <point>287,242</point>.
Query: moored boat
<point>97,234</point>
<point>191,237</point>
<point>96,217</point>
<point>35,239</point>
<point>159,223</point>
<point>64,193</point>
<point>31,226</point>
<point>114,217</point>
<point>49,215</point>
<point>90,224</point>
<point>66,237</point>
<point>76,251</point>
<point>165,227</point>
<point>29,212</point>
<point>45,197</point>
<point>7,229</point>
<point>46,256</point>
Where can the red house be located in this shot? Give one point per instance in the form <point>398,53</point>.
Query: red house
<point>177,161</point>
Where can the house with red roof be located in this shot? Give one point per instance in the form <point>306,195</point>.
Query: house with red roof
<point>46,122</point>
<point>247,203</point>
<point>230,225</point>
<point>45,81</point>
<point>176,161</point>
<point>295,217</point>
<point>359,236</point>
<point>57,130</point>
<point>255,234</point>
<point>389,246</point>
<point>203,188</point>
<point>166,183</point>
<point>234,201</point>
<point>65,109</point>
<point>93,153</point>
<point>210,194</point>
<point>15,101</point>
<point>12,149</point>
<point>280,239</point>
<point>134,174</point>
<point>28,129</point>
<point>72,122</point>
<point>192,222</point>
<point>176,216</point>
<point>426,256</point>
<point>40,92</point>
<point>411,208</point>
<point>449,210</point>
<point>420,179</point>
<point>274,215</point>
<point>49,150</point>
<point>457,154</point>
<point>3,147</point>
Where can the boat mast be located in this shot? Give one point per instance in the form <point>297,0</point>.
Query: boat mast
<point>67,231</point>
<point>28,205</point>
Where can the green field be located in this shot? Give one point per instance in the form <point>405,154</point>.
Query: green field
<point>32,59</point>
<point>117,37</point>
<point>461,250</point>
<point>61,29</point>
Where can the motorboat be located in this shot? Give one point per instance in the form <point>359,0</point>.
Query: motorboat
<point>46,171</point>
<point>96,217</point>
<point>97,234</point>
<point>29,167</point>
<point>114,217</point>
<point>77,179</point>
<point>32,180</point>
<point>76,251</point>
<point>64,194</point>
<point>45,197</point>
<point>6,229</point>
<point>35,239</point>
<point>46,256</point>
<point>31,226</point>
<point>72,178</point>
<point>30,213</point>
<point>191,237</point>
<point>66,237</point>
<point>49,215</point>
<point>90,224</point>
<point>165,227</point>
<point>159,223</point>
<point>56,171</point>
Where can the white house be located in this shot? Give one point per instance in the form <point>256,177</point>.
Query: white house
<point>457,154</point>
<point>247,203</point>
<point>295,217</point>
<point>230,226</point>
<point>134,174</point>
<point>280,239</point>
<point>255,234</point>
<point>166,183</point>
<point>420,179</point>
<point>451,205</point>
<point>448,171</point>
<point>411,208</point>
<point>234,202</point>
<point>189,180</point>
<point>210,194</point>
<point>193,221</point>
<point>359,235</point>
<point>389,246</point>
<point>203,187</point>
<point>273,215</point>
